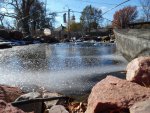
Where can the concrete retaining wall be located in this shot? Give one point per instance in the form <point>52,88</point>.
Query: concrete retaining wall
<point>133,42</point>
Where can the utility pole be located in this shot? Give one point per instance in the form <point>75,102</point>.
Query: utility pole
<point>69,23</point>
<point>45,7</point>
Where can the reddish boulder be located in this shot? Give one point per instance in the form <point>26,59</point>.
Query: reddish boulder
<point>9,94</point>
<point>113,93</point>
<point>138,70</point>
<point>141,107</point>
<point>8,108</point>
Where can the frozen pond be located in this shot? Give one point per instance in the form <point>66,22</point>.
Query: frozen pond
<point>70,68</point>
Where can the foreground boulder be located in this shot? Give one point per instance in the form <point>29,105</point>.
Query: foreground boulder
<point>8,108</point>
<point>141,107</point>
<point>9,94</point>
<point>138,70</point>
<point>113,93</point>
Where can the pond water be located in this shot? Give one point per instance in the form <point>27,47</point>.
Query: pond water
<point>70,68</point>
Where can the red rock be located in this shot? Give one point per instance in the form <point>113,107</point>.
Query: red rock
<point>114,93</point>
<point>141,107</point>
<point>9,94</point>
<point>8,108</point>
<point>138,70</point>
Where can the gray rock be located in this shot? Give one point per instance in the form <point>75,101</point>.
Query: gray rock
<point>30,106</point>
<point>28,96</point>
<point>49,95</point>
<point>141,107</point>
<point>58,109</point>
<point>29,88</point>
<point>35,107</point>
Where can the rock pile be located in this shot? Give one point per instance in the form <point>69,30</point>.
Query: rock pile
<point>53,103</point>
<point>117,95</point>
<point>113,93</point>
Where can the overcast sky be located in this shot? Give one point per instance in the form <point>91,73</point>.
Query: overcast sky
<point>78,5</point>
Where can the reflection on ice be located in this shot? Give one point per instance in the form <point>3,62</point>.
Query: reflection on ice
<point>59,67</point>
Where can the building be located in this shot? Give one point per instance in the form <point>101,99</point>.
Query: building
<point>60,32</point>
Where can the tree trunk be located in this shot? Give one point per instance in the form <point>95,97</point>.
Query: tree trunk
<point>25,27</point>
<point>26,5</point>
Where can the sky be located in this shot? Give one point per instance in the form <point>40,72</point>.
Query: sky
<point>79,5</point>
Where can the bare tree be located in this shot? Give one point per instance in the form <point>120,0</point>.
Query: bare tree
<point>90,18</point>
<point>22,8</point>
<point>21,12</point>
<point>1,15</point>
<point>146,8</point>
<point>29,15</point>
<point>1,19</point>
